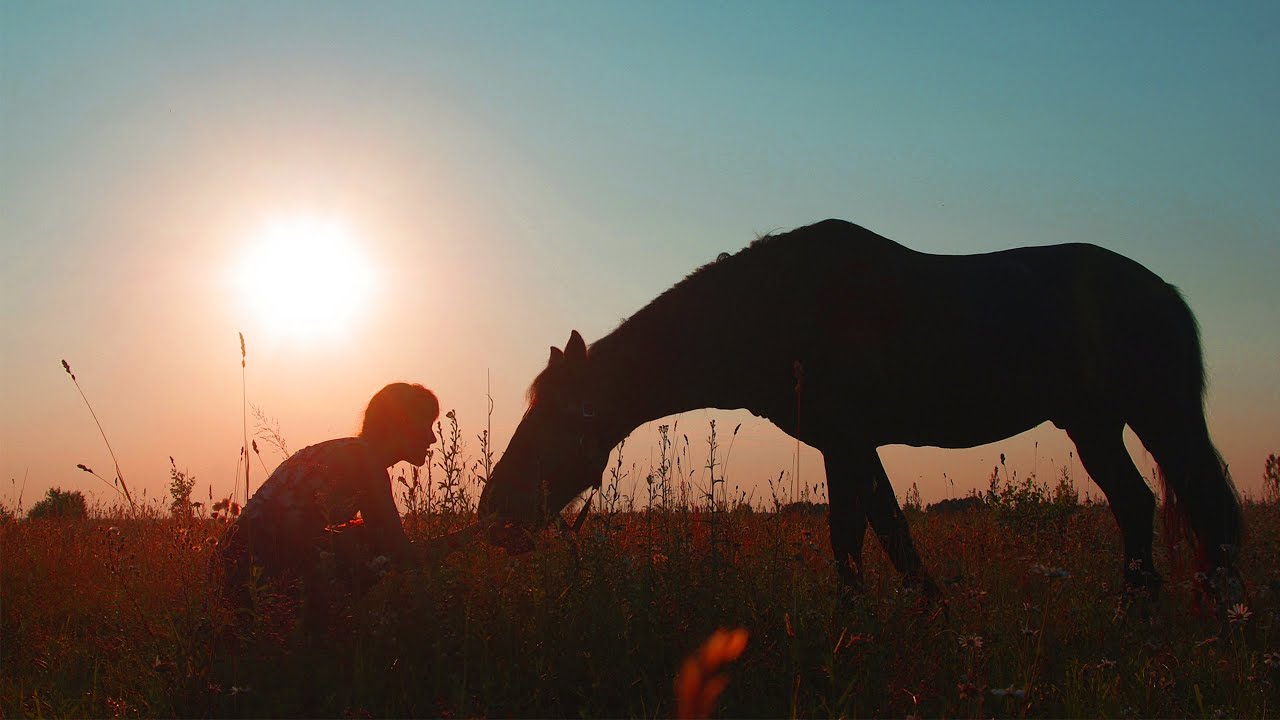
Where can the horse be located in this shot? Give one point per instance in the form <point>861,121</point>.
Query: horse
<point>847,341</point>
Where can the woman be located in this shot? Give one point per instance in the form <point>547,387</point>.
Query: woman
<point>328,510</point>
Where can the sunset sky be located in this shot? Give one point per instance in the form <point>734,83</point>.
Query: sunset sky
<point>480,178</point>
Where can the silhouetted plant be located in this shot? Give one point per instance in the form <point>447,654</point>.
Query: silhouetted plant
<point>119,475</point>
<point>1028,500</point>
<point>1271,477</point>
<point>181,484</point>
<point>911,503</point>
<point>59,503</point>
<point>451,463</point>
<point>268,429</point>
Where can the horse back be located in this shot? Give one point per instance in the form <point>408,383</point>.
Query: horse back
<point>957,350</point>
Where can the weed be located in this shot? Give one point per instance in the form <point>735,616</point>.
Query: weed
<point>120,616</point>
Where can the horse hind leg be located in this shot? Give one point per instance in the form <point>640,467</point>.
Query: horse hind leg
<point>1196,482</point>
<point>890,525</point>
<point>1105,458</point>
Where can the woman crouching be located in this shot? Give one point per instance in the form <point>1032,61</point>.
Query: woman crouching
<point>327,513</point>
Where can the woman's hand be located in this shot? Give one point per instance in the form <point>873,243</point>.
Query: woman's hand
<point>438,548</point>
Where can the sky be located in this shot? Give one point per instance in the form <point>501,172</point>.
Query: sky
<point>498,174</point>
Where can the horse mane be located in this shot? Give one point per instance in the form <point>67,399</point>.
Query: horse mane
<point>731,277</point>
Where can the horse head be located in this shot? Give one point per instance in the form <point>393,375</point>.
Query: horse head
<point>556,452</point>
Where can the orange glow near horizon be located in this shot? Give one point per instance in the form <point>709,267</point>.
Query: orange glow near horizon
<point>304,278</point>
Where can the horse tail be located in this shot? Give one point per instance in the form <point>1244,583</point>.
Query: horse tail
<point>1201,504</point>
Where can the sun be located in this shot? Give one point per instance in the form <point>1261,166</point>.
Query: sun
<point>304,277</point>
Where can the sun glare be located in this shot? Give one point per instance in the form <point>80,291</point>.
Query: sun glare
<point>304,277</point>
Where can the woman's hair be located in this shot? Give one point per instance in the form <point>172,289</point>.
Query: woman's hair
<point>395,405</point>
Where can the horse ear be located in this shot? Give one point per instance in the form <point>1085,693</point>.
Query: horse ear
<point>576,348</point>
<point>556,356</point>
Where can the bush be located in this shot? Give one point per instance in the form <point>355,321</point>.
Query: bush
<point>180,486</point>
<point>58,503</point>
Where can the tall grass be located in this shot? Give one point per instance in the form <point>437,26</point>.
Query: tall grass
<point>119,475</point>
<point>118,616</point>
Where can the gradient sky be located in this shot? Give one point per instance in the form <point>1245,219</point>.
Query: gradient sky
<point>516,170</point>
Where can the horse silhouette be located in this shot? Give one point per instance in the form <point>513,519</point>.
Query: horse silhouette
<point>848,341</point>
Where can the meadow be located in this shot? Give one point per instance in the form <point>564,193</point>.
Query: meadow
<point>117,615</point>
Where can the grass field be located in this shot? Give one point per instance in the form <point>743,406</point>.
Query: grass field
<point>118,617</point>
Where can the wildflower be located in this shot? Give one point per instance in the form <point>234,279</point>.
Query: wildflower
<point>1239,614</point>
<point>1271,660</point>
<point>971,641</point>
<point>700,683</point>
<point>1106,664</point>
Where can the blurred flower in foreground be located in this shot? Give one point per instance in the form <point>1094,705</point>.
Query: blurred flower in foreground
<point>699,682</point>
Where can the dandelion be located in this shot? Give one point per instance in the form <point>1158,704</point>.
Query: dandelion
<point>700,683</point>
<point>1239,614</point>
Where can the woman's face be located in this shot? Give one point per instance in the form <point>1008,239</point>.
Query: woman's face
<point>419,437</point>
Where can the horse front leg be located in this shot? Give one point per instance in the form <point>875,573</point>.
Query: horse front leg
<point>890,524</point>
<point>847,516</point>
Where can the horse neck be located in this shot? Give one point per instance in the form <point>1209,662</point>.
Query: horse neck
<point>646,370</point>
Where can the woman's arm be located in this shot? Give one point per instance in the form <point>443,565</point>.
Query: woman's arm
<point>378,508</point>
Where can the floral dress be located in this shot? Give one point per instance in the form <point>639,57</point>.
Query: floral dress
<point>328,504</point>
